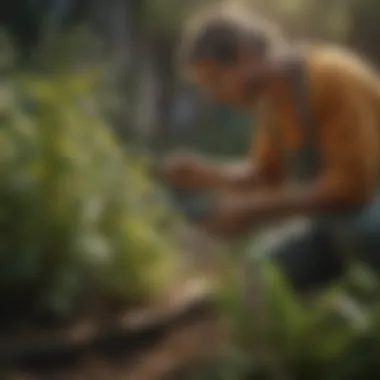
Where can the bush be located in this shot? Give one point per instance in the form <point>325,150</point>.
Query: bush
<point>77,218</point>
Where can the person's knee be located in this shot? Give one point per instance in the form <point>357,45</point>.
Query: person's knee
<point>309,260</point>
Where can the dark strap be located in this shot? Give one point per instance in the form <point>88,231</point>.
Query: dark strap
<point>303,164</point>
<point>309,152</point>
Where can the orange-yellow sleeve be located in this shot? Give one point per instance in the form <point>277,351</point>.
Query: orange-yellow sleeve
<point>349,146</point>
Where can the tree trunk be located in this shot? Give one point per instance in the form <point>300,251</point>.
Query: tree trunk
<point>164,61</point>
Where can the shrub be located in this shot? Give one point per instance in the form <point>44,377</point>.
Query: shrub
<point>77,216</point>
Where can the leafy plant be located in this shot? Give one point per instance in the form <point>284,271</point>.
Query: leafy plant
<point>76,215</point>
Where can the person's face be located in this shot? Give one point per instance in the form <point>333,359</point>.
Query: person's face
<point>237,84</point>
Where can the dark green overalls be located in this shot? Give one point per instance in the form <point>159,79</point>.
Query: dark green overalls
<point>318,251</point>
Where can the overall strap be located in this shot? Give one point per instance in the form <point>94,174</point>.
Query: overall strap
<point>304,162</point>
<point>308,156</point>
<point>309,153</point>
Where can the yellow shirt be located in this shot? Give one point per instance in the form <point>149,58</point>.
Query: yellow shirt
<point>344,96</point>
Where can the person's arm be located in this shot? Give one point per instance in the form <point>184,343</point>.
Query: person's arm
<point>261,168</point>
<point>349,151</point>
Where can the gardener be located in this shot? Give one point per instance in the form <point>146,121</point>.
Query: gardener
<point>316,152</point>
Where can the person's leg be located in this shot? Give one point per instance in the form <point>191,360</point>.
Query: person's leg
<point>364,235</point>
<point>307,256</point>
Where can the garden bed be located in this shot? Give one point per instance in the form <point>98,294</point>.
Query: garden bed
<point>153,343</point>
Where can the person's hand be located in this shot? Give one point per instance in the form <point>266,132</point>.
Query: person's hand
<point>185,171</point>
<point>228,218</point>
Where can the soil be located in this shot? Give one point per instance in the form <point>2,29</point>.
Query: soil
<point>161,343</point>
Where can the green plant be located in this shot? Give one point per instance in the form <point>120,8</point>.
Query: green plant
<point>276,335</point>
<point>76,216</point>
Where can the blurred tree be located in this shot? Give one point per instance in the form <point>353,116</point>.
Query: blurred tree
<point>321,19</point>
<point>161,21</point>
<point>22,19</point>
<point>365,27</point>
<point>29,21</point>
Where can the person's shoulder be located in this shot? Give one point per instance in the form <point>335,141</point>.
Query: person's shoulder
<point>333,64</point>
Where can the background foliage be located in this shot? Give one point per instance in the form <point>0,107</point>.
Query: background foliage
<point>78,212</point>
<point>84,85</point>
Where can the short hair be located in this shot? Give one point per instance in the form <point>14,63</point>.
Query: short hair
<point>218,35</point>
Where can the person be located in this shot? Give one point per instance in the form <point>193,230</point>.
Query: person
<point>315,152</point>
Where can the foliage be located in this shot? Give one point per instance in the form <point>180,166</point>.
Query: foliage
<point>331,20</point>
<point>158,14</point>
<point>277,336</point>
<point>75,214</point>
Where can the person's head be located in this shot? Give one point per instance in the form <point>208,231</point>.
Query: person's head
<point>227,55</point>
